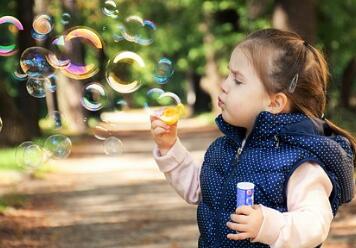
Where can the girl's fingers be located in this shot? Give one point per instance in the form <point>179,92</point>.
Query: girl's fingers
<point>239,218</point>
<point>236,226</point>
<point>238,236</point>
<point>246,210</point>
<point>159,123</point>
<point>159,130</point>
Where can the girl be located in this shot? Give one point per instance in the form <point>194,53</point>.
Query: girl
<point>275,136</point>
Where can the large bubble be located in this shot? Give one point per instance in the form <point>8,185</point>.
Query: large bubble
<point>124,72</point>
<point>36,87</point>
<point>71,64</point>
<point>163,71</point>
<point>9,26</point>
<point>165,105</point>
<point>34,62</point>
<point>58,146</point>
<point>94,97</point>
<point>29,154</point>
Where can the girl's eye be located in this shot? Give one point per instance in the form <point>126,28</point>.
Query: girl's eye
<point>237,81</point>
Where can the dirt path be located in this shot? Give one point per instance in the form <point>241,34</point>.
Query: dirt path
<point>97,201</point>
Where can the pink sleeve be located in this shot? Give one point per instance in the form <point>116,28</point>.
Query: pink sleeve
<point>180,171</point>
<point>307,222</point>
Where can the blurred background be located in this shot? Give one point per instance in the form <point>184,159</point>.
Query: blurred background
<point>76,168</point>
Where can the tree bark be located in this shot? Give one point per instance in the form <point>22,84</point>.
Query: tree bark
<point>296,16</point>
<point>28,105</point>
<point>348,78</point>
<point>211,80</point>
<point>69,91</point>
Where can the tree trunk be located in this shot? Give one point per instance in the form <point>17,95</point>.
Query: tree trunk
<point>348,78</point>
<point>69,91</point>
<point>296,16</point>
<point>28,105</point>
<point>211,80</point>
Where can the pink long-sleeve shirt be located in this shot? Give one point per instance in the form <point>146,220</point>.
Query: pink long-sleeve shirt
<point>307,222</point>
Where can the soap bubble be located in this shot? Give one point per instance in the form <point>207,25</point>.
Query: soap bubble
<point>50,84</point>
<point>113,146</point>
<point>58,146</point>
<point>59,56</point>
<point>29,154</point>
<point>34,62</point>
<point>120,105</point>
<point>9,26</point>
<point>42,24</point>
<point>123,72</point>
<point>36,87</point>
<point>1,124</point>
<point>66,18</point>
<point>110,9</point>
<point>165,105</point>
<point>135,30</point>
<point>101,132</point>
<point>94,97</point>
<point>18,74</point>
<point>76,69</point>
<point>37,36</point>
<point>163,71</point>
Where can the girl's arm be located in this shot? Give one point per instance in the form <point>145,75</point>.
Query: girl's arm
<point>180,171</point>
<point>307,222</point>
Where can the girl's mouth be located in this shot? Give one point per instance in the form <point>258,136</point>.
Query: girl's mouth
<point>220,102</point>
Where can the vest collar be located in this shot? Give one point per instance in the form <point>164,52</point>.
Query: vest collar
<point>267,125</point>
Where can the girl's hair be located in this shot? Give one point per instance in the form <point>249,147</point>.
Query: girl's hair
<point>286,63</point>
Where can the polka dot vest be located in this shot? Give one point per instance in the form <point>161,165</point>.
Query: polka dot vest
<point>277,145</point>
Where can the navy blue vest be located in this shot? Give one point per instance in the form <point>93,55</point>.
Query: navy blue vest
<point>277,145</point>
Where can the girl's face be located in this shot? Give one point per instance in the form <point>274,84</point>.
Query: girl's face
<point>243,95</point>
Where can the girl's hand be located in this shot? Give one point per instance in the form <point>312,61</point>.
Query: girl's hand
<point>247,221</point>
<point>164,135</point>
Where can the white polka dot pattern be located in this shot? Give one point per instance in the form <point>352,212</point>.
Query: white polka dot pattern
<point>277,145</point>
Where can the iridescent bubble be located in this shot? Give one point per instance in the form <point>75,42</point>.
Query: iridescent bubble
<point>56,119</point>
<point>163,71</point>
<point>42,24</point>
<point>101,132</point>
<point>51,84</point>
<point>1,124</point>
<point>58,146</point>
<point>94,97</point>
<point>120,105</point>
<point>34,62</point>
<point>76,69</point>
<point>60,54</point>
<point>110,9</point>
<point>18,74</point>
<point>9,26</point>
<point>37,36</point>
<point>165,105</point>
<point>113,146</point>
<point>66,18</point>
<point>29,154</point>
<point>123,72</point>
<point>135,30</point>
<point>36,87</point>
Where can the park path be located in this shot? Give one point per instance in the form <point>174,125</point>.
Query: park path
<point>93,200</point>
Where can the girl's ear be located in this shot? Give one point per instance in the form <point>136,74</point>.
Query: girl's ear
<point>278,103</point>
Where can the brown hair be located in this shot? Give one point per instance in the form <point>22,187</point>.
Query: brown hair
<point>281,57</point>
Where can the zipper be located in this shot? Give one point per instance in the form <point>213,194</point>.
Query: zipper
<point>239,150</point>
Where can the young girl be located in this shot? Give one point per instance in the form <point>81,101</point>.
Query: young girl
<point>275,136</point>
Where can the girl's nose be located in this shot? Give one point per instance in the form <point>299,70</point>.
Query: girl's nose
<point>223,86</point>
